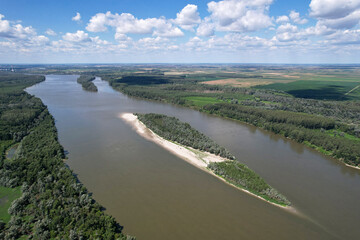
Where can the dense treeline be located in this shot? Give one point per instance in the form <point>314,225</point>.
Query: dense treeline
<point>176,90</point>
<point>86,83</point>
<point>347,111</point>
<point>174,130</point>
<point>296,126</point>
<point>53,203</point>
<point>304,120</point>
<point>18,114</point>
<point>18,110</point>
<point>15,83</point>
<point>236,173</point>
<point>141,80</point>
<point>261,116</point>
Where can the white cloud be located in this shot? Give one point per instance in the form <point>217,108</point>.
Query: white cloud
<point>347,22</point>
<point>16,31</point>
<point>77,17</point>
<point>188,17</point>
<point>318,30</point>
<point>231,42</point>
<point>206,28</point>
<point>282,19</point>
<point>23,32</point>
<point>97,23</point>
<point>122,37</point>
<point>288,32</point>
<point>345,37</point>
<point>336,14</point>
<point>98,41</point>
<point>196,44</point>
<point>50,32</point>
<point>19,38</point>
<point>79,36</point>
<point>126,23</point>
<point>4,26</point>
<point>149,43</point>
<point>334,31</point>
<point>240,15</point>
<point>333,9</point>
<point>295,17</point>
<point>168,31</point>
<point>40,40</point>
<point>287,28</point>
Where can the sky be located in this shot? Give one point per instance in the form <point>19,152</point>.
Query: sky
<point>198,31</point>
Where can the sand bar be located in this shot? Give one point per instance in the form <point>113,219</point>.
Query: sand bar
<point>195,157</point>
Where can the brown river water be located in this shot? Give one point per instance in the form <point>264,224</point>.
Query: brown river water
<point>156,195</point>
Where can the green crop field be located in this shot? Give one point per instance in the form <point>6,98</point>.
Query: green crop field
<point>7,196</point>
<point>202,101</point>
<point>327,90</point>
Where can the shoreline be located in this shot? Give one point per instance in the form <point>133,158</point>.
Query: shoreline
<point>242,122</point>
<point>312,147</point>
<point>351,166</point>
<point>195,157</point>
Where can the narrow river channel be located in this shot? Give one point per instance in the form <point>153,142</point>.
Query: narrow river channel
<point>156,195</point>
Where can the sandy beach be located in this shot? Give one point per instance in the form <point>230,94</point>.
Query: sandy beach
<point>195,157</point>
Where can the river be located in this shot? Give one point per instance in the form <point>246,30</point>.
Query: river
<point>156,195</point>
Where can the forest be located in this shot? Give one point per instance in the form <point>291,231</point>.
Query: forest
<point>86,83</point>
<point>331,127</point>
<point>234,172</point>
<point>303,128</point>
<point>53,203</point>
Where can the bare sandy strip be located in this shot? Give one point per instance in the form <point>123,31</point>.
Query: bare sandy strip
<point>195,157</point>
<point>348,165</point>
<point>352,90</point>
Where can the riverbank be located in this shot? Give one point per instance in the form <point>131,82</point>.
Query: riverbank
<point>35,174</point>
<point>195,157</point>
<point>300,126</point>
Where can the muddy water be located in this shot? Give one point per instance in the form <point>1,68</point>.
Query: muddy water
<point>156,195</point>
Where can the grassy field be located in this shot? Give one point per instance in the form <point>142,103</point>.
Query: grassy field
<point>202,101</point>
<point>335,133</point>
<point>7,196</point>
<point>327,90</point>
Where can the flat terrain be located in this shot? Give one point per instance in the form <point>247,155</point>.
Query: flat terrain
<point>238,82</point>
<point>7,196</point>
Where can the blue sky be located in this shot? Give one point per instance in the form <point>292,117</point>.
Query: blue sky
<point>139,31</point>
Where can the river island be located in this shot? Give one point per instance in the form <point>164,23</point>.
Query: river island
<point>199,150</point>
<point>86,83</point>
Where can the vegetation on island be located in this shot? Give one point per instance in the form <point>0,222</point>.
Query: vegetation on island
<point>241,176</point>
<point>331,127</point>
<point>234,172</point>
<point>53,204</point>
<point>86,83</point>
<point>330,92</point>
<point>174,130</point>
